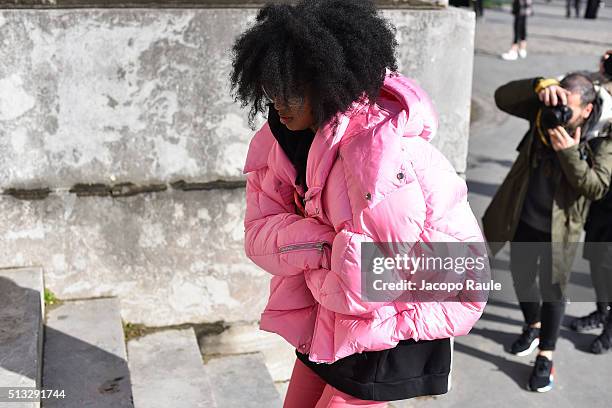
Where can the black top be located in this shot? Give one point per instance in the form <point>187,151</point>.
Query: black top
<point>296,144</point>
<point>410,369</point>
<point>545,166</point>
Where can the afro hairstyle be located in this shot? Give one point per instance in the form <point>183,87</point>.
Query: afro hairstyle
<point>336,50</point>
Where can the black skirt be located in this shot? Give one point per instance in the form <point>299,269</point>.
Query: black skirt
<point>410,369</point>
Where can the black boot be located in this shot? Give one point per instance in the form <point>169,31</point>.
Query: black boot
<point>603,342</point>
<point>591,321</point>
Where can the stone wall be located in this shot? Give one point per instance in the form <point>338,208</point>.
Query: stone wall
<point>121,150</point>
<point>194,3</point>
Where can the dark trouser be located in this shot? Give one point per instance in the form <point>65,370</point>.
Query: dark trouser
<point>591,9</point>
<point>520,28</point>
<point>601,276</point>
<point>568,6</point>
<point>544,303</point>
<point>478,8</point>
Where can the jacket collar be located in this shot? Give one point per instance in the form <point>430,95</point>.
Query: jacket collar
<point>259,148</point>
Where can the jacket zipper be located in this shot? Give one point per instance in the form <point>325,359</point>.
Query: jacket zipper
<point>307,245</point>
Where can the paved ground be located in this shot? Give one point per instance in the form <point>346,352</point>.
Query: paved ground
<point>485,375</point>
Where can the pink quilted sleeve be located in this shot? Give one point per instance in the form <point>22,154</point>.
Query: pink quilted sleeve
<point>450,219</point>
<point>279,241</point>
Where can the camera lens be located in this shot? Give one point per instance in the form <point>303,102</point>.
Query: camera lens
<point>553,116</point>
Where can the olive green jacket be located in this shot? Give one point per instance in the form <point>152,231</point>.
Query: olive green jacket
<point>579,182</point>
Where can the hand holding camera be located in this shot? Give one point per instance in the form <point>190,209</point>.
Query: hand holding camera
<point>560,139</point>
<point>551,95</point>
<point>555,114</point>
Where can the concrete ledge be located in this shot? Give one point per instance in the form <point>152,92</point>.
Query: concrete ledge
<point>171,257</point>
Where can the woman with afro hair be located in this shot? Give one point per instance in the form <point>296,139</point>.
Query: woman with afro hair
<point>344,159</point>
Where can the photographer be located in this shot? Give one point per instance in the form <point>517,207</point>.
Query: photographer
<point>543,202</point>
<point>599,229</point>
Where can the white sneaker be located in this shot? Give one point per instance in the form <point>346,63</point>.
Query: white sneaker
<point>510,55</point>
<point>522,53</point>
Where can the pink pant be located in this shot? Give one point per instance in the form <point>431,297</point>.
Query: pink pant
<point>308,390</point>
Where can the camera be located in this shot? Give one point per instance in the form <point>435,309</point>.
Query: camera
<point>553,116</point>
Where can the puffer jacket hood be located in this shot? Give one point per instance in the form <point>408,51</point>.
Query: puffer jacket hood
<point>372,176</point>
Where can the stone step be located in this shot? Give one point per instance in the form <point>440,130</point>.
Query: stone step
<point>242,381</point>
<point>84,355</point>
<point>167,371</point>
<point>21,330</point>
<point>245,337</point>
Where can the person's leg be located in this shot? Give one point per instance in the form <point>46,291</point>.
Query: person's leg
<point>553,309</point>
<point>577,6</point>
<point>600,283</point>
<point>523,267</point>
<point>552,315</point>
<point>568,7</point>
<point>523,37</point>
<point>553,305</point>
<point>591,12</point>
<point>478,8</point>
<point>512,54</point>
<point>305,387</point>
<point>334,398</point>
<point>606,271</point>
<point>603,342</point>
<point>517,31</point>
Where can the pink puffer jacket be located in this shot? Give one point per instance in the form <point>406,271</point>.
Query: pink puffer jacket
<point>372,178</point>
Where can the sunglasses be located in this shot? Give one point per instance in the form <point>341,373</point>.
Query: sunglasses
<point>292,101</point>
